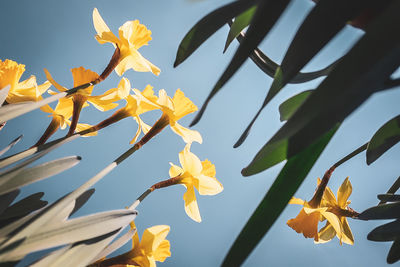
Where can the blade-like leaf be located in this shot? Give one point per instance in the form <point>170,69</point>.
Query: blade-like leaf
<point>386,137</point>
<point>115,245</point>
<point>74,230</point>
<point>7,199</point>
<point>324,21</point>
<point>264,19</point>
<point>22,208</point>
<point>385,232</point>
<point>12,111</point>
<point>241,22</point>
<point>40,172</point>
<point>384,211</point>
<point>289,107</point>
<point>355,78</point>
<point>279,194</point>
<point>207,26</point>
<point>81,200</point>
<point>14,142</point>
<point>3,94</point>
<point>394,252</point>
<point>389,197</point>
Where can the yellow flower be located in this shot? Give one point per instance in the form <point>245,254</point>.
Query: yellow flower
<point>28,90</point>
<point>174,109</point>
<point>195,174</point>
<point>132,36</point>
<point>339,207</point>
<point>307,220</point>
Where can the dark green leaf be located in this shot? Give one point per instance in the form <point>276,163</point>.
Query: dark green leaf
<point>380,212</point>
<point>81,200</point>
<point>7,199</point>
<point>385,232</point>
<point>241,22</point>
<point>289,107</point>
<point>324,21</point>
<point>267,13</point>
<point>358,75</point>
<point>207,26</point>
<point>386,137</point>
<point>394,252</point>
<point>279,194</point>
<point>389,197</point>
<point>14,142</point>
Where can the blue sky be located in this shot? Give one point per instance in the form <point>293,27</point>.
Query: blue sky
<point>59,35</point>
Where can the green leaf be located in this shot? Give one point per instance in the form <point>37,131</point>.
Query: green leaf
<point>358,75</point>
<point>386,137</point>
<point>386,232</point>
<point>394,252</point>
<point>38,173</point>
<point>207,26</point>
<point>279,194</point>
<point>10,145</point>
<point>73,230</point>
<point>324,21</point>
<point>240,22</point>
<point>267,13</point>
<point>380,212</point>
<point>289,107</point>
<point>7,199</point>
<point>389,197</point>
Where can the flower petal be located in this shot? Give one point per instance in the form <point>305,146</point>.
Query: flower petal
<point>84,126</point>
<point>326,233</point>
<point>188,136</point>
<point>207,185</point>
<point>163,251</point>
<point>344,192</point>
<point>152,238</point>
<point>138,131</point>
<point>104,33</point>
<point>347,234</point>
<point>306,224</point>
<point>183,105</point>
<point>53,82</point>
<point>190,162</point>
<point>296,201</point>
<point>191,207</point>
<point>335,222</point>
<point>175,170</point>
<point>134,60</point>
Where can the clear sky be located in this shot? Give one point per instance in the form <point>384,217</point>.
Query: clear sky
<point>59,35</point>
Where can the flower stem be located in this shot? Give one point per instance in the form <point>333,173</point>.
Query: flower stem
<point>115,59</point>
<point>78,101</point>
<point>51,129</point>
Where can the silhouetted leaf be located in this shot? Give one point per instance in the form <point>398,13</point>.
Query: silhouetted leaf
<point>279,194</point>
<point>15,141</point>
<point>289,107</point>
<point>389,197</point>
<point>7,199</point>
<point>384,211</point>
<point>207,26</point>
<point>81,200</point>
<point>240,22</point>
<point>394,252</point>
<point>358,75</point>
<point>386,137</point>
<point>385,232</point>
<point>267,13</point>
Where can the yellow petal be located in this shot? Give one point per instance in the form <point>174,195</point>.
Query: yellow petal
<point>134,60</point>
<point>207,185</point>
<point>138,131</point>
<point>135,238</point>
<point>83,126</point>
<point>135,33</point>
<point>53,82</point>
<point>326,233</point>
<point>328,199</point>
<point>188,136</point>
<point>189,161</point>
<point>344,192</point>
<point>347,236</point>
<point>191,207</point>
<point>164,100</point>
<point>163,251</point>
<point>101,104</point>
<point>335,222</point>
<point>82,76</point>
<point>183,105</point>
<point>104,33</point>
<point>175,170</point>
<point>307,224</point>
<point>297,201</point>
<point>152,238</point>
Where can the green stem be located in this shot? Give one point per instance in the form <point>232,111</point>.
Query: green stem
<point>392,189</point>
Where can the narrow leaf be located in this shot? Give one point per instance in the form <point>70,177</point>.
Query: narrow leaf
<point>207,26</point>
<point>386,137</point>
<point>394,252</point>
<point>38,173</point>
<point>3,94</point>
<point>14,142</point>
<point>289,107</point>
<point>240,22</point>
<point>386,232</point>
<point>7,199</point>
<point>358,75</point>
<point>82,199</point>
<point>389,197</point>
<point>267,13</point>
<point>384,211</point>
<point>276,199</point>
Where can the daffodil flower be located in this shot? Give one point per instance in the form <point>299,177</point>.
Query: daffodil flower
<point>195,174</point>
<point>173,110</point>
<point>132,36</point>
<point>133,108</point>
<point>27,90</point>
<point>102,102</point>
<point>340,207</point>
<point>144,253</point>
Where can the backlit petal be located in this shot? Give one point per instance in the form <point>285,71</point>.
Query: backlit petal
<point>53,82</point>
<point>163,251</point>
<point>183,105</point>
<point>153,236</point>
<point>344,192</point>
<point>104,33</point>
<point>326,233</point>
<point>208,168</point>
<point>191,207</point>
<point>188,135</point>
<point>207,185</point>
<point>335,222</point>
<point>307,224</point>
<point>347,236</point>
<point>189,161</point>
<point>175,170</point>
